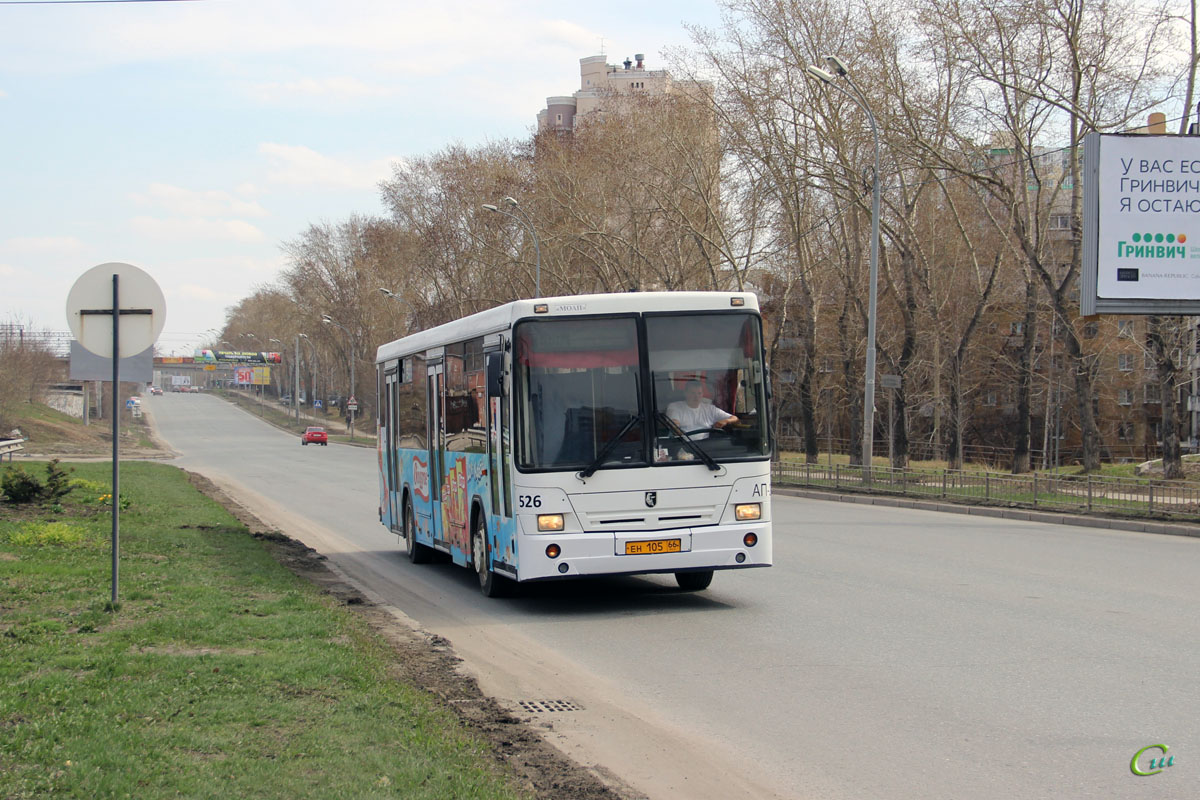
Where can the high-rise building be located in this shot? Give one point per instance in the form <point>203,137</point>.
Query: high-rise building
<point>606,87</point>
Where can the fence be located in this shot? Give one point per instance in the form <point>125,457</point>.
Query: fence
<point>994,456</point>
<point>1086,493</point>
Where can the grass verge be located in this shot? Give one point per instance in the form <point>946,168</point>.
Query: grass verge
<point>48,430</point>
<point>220,674</point>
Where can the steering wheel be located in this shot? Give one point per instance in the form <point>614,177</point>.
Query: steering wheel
<point>710,430</point>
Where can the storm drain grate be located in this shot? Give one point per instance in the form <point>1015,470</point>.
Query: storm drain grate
<point>549,706</point>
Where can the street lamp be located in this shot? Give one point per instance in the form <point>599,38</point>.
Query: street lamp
<point>249,336</point>
<point>328,320</point>
<point>312,382</point>
<point>854,94</point>
<point>524,219</point>
<point>386,292</point>
<point>278,342</point>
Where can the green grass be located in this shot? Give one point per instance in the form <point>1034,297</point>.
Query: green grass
<point>220,674</point>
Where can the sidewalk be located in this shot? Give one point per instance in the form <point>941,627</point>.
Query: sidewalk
<point>1057,518</point>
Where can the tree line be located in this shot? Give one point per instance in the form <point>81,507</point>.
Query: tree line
<point>754,176</point>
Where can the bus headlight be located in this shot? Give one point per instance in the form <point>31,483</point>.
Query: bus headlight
<point>747,511</point>
<point>550,522</point>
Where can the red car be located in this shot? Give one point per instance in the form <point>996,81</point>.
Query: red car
<point>315,435</point>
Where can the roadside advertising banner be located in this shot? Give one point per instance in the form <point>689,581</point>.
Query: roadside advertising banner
<point>1141,226</point>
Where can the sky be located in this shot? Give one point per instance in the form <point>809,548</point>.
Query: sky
<point>193,138</point>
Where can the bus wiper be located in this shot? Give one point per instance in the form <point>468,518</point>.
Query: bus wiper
<point>690,443</point>
<point>610,445</point>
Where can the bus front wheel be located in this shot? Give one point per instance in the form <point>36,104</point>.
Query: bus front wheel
<point>694,581</point>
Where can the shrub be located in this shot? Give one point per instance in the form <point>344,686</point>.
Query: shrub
<point>58,483</point>
<point>19,486</point>
<point>90,487</point>
<point>47,533</point>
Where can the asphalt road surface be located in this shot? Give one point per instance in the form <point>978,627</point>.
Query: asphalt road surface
<point>890,653</point>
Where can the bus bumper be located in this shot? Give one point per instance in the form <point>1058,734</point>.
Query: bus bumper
<point>583,554</point>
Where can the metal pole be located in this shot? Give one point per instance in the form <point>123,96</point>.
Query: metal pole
<point>296,382</point>
<point>868,444</point>
<point>869,389</point>
<point>526,221</point>
<point>352,394</point>
<point>537,250</point>
<point>891,428</point>
<point>116,435</point>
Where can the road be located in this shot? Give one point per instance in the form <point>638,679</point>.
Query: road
<point>890,653</point>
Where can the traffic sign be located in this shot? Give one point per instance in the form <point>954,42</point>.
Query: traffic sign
<point>141,309</point>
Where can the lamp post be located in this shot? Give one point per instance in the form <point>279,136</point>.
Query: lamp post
<point>252,336</point>
<point>386,292</point>
<point>524,219</point>
<point>296,380</point>
<point>280,343</point>
<point>312,372</point>
<point>856,95</point>
<point>328,320</point>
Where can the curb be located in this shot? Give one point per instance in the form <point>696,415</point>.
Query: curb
<point>1024,515</point>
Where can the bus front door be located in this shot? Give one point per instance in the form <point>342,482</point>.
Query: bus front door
<point>437,447</point>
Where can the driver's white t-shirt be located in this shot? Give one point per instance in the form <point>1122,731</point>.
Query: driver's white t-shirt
<point>690,419</point>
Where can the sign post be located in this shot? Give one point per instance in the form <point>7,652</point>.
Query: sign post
<point>891,383</point>
<point>88,308</point>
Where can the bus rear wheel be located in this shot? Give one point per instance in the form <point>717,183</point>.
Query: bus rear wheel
<point>417,552</point>
<point>491,584</point>
<point>694,581</point>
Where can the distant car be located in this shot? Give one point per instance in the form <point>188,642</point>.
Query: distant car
<point>315,435</point>
<point>155,390</point>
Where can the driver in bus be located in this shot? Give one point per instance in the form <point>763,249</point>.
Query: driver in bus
<point>691,413</point>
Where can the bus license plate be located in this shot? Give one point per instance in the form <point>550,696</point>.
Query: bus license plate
<point>655,546</point>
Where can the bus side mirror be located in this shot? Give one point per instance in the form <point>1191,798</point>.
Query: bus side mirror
<point>495,374</point>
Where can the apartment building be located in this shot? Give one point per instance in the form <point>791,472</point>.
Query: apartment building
<point>607,87</point>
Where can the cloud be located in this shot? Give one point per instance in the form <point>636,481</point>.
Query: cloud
<point>328,88</point>
<point>42,245</point>
<point>193,291</point>
<point>188,203</point>
<point>296,165</point>
<point>194,228</point>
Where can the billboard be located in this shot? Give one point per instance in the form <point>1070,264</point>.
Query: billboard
<point>252,376</point>
<point>1141,225</point>
<point>236,357</point>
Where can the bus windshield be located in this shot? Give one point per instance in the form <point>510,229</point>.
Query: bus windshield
<point>581,402</point>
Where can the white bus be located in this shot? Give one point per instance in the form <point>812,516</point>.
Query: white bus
<point>552,438</point>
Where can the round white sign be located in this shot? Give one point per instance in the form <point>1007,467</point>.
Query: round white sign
<point>143,309</point>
